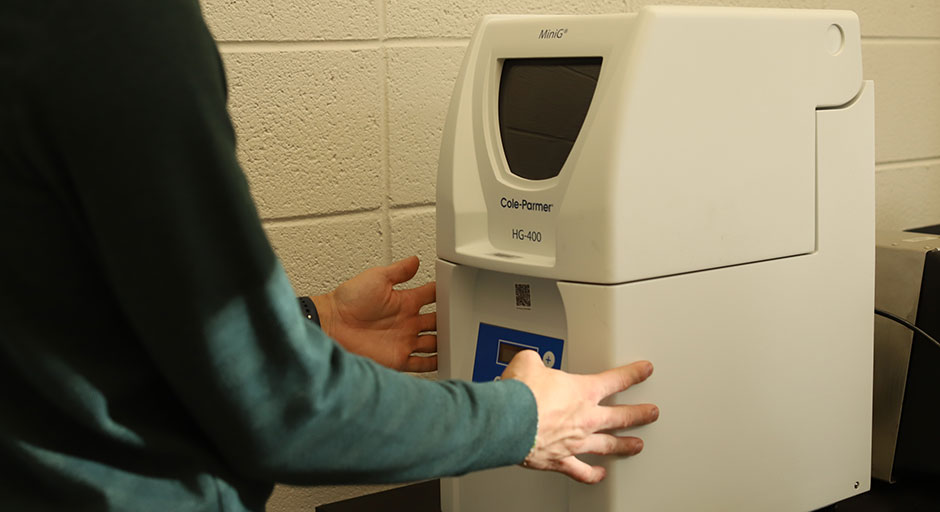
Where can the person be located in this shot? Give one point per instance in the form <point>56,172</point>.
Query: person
<point>152,352</point>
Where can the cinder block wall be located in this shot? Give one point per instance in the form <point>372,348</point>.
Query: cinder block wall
<point>339,108</point>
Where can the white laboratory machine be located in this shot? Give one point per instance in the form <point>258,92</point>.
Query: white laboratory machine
<point>692,186</point>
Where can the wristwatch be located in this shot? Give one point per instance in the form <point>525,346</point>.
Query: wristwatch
<point>309,309</point>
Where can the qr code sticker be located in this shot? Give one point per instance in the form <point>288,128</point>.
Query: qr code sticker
<point>523,296</point>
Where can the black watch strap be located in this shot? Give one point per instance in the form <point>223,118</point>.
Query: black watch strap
<point>309,309</point>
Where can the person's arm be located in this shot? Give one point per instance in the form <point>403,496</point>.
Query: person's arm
<point>385,325</point>
<point>136,116</point>
<point>134,108</point>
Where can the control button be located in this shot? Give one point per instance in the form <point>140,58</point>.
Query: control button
<point>498,378</point>
<point>548,358</point>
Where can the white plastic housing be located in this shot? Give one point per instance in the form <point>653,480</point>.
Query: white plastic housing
<point>697,151</point>
<point>715,216</point>
<point>763,371</point>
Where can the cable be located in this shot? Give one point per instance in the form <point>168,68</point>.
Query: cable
<point>905,323</point>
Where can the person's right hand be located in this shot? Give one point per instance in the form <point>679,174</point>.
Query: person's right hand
<point>570,420</point>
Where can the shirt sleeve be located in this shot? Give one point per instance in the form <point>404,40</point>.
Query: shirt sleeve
<point>137,114</point>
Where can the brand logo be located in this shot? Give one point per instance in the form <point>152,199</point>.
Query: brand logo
<point>515,204</point>
<point>553,33</point>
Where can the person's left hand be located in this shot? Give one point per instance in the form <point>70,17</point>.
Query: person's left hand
<point>367,316</point>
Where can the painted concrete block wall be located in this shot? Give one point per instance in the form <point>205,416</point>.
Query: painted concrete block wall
<point>339,108</point>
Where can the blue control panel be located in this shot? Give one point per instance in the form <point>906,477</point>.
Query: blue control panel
<point>497,345</point>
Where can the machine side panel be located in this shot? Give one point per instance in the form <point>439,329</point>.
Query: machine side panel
<point>763,371</point>
<point>718,141</point>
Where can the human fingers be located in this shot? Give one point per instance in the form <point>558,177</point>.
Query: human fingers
<point>622,416</point>
<point>607,444</point>
<point>581,471</point>
<point>427,344</point>
<point>424,294</point>
<point>402,270</point>
<point>427,322</point>
<point>420,364</point>
<point>616,380</point>
<point>523,366</point>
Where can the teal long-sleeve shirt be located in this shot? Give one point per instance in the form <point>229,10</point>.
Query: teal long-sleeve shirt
<point>152,354</point>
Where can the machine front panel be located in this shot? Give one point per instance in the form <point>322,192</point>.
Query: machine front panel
<point>496,346</point>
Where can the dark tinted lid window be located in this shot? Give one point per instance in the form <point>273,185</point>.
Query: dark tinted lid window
<point>542,106</point>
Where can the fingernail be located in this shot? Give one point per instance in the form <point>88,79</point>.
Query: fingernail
<point>649,369</point>
<point>654,414</point>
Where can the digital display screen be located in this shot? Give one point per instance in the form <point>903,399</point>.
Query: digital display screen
<point>509,350</point>
<point>542,105</point>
